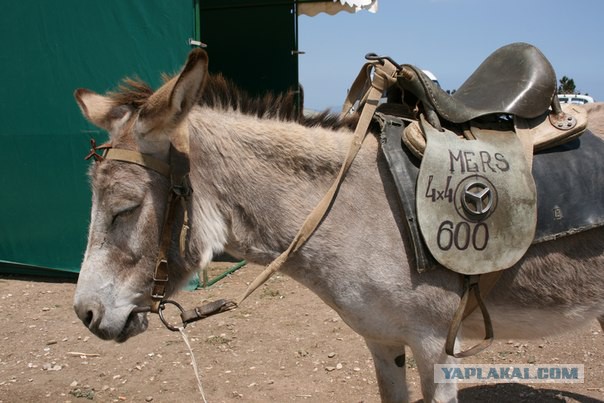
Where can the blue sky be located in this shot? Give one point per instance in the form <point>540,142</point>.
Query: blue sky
<point>450,38</point>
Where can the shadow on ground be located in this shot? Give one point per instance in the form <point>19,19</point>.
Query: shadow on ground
<point>515,392</point>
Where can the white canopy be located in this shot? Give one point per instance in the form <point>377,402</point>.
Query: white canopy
<point>335,6</point>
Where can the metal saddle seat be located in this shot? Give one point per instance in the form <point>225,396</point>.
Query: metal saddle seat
<point>516,79</point>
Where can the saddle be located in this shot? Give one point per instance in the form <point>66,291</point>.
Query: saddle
<point>460,196</point>
<point>509,105</point>
<point>516,79</point>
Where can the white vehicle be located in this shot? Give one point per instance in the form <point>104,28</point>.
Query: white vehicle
<point>575,99</point>
<point>431,76</point>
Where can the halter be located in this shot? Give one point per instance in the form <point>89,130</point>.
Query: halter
<point>176,206</point>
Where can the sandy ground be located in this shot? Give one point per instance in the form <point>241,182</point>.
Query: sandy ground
<point>283,345</point>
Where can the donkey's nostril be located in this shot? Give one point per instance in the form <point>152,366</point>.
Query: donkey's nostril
<point>88,318</point>
<point>90,313</point>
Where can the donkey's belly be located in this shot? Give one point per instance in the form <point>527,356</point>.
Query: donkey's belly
<point>529,323</point>
<point>558,286</point>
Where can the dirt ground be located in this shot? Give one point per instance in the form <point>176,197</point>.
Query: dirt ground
<point>283,345</point>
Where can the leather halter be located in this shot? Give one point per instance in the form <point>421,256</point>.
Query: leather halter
<point>176,206</point>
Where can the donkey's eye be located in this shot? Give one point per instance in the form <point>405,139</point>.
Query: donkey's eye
<point>124,213</point>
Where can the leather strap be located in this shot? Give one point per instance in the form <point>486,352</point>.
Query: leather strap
<point>160,275</point>
<point>175,211</point>
<point>486,282</point>
<point>383,77</point>
<point>525,135</point>
<point>359,90</point>
<point>139,159</point>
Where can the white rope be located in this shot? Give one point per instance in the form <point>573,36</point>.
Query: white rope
<point>186,339</point>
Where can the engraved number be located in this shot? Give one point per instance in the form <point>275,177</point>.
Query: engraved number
<point>445,235</point>
<point>462,235</point>
<point>435,194</point>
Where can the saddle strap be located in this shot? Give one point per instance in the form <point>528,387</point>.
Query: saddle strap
<point>486,282</point>
<point>471,287</point>
<point>382,79</point>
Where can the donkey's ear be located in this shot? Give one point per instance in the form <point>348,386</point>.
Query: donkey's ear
<point>190,82</point>
<point>98,109</point>
<point>173,100</point>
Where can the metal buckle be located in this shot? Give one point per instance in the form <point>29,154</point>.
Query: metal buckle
<point>158,294</point>
<point>164,270</point>
<point>159,286</point>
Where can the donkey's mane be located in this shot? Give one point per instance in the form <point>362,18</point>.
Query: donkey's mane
<point>223,94</point>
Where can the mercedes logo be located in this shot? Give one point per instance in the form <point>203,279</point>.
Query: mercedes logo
<point>477,198</point>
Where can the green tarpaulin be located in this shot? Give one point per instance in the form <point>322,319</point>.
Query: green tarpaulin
<point>49,48</point>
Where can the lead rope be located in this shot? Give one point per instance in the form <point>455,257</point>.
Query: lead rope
<point>181,329</point>
<point>383,77</point>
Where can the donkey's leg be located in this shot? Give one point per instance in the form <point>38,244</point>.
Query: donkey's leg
<point>389,364</point>
<point>427,351</point>
<point>601,320</point>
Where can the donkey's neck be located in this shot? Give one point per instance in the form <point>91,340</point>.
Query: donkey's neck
<point>258,179</point>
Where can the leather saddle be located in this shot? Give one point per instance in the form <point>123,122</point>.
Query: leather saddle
<point>516,79</point>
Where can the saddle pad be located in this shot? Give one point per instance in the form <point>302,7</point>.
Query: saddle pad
<point>570,188</point>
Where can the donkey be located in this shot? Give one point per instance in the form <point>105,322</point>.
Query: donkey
<point>257,169</point>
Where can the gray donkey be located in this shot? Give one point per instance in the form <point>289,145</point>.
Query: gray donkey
<point>257,169</point>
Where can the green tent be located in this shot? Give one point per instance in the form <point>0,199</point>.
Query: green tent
<point>49,49</point>
<point>52,47</point>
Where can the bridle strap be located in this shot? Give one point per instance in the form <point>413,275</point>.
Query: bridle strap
<point>176,210</point>
<point>137,158</point>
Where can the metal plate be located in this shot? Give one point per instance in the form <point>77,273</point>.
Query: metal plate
<point>476,200</point>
